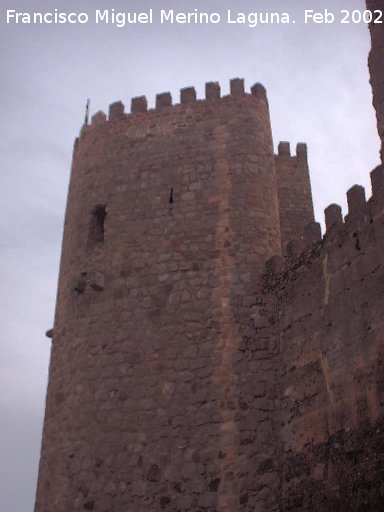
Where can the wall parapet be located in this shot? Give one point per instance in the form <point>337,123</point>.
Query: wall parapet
<point>188,96</point>
<point>284,149</point>
<point>362,216</point>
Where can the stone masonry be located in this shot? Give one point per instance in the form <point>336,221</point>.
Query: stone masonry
<point>327,320</point>
<point>376,66</point>
<point>171,215</point>
<point>211,351</point>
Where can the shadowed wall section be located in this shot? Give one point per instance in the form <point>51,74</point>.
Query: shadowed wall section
<point>328,316</point>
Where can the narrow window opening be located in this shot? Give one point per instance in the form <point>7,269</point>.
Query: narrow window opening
<point>97,224</point>
<point>171,196</point>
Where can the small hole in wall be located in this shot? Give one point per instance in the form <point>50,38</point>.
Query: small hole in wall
<point>214,485</point>
<point>96,231</point>
<point>171,196</point>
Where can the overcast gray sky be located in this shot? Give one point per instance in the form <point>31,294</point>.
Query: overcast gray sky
<point>318,89</point>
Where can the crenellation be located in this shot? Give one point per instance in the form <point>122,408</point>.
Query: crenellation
<point>139,105</point>
<point>259,91</point>
<point>187,95</point>
<point>333,216</point>
<point>301,150</point>
<point>294,188</point>
<point>377,182</point>
<point>237,87</point>
<point>160,267</point>
<point>163,100</point>
<point>98,119</point>
<point>357,203</point>
<point>284,149</point>
<point>210,350</point>
<point>116,110</point>
<point>329,335</point>
<point>212,91</point>
<point>357,224</point>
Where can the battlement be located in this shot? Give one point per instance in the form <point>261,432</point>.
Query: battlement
<point>294,189</point>
<point>362,215</point>
<point>164,101</point>
<point>168,327</point>
<point>284,150</point>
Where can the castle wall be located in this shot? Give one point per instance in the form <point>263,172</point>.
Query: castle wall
<point>294,190</point>
<point>376,67</point>
<point>171,214</point>
<point>329,314</point>
<point>181,379</point>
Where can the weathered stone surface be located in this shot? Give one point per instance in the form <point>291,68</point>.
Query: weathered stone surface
<point>182,378</point>
<point>330,351</point>
<point>150,389</point>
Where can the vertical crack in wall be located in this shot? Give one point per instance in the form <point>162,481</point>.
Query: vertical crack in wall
<point>229,338</point>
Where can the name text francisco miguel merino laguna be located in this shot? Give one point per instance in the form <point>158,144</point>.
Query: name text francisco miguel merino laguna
<point>163,16</point>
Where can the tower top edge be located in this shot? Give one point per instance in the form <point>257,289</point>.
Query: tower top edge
<point>188,96</point>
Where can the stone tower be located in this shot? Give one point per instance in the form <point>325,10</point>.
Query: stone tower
<point>154,401</point>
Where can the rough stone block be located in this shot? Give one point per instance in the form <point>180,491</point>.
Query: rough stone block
<point>333,216</point>
<point>164,100</point>
<point>237,86</point>
<point>212,91</point>
<point>98,118</point>
<point>188,95</point>
<point>116,110</point>
<point>356,201</point>
<point>284,149</point>
<point>139,104</point>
